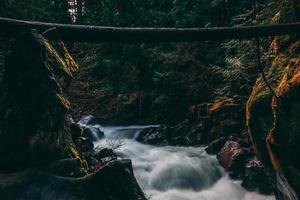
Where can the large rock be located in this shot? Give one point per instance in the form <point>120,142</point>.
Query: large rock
<point>114,181</point>
<point>183,134</point>
<point>33,126</point>
<point>255,177</point>
<point>227,117</point>
<point>215,146</point>
<point>155,135</point>
<point>273,122</point>
<point>233,155</point>
<point>39,159</point>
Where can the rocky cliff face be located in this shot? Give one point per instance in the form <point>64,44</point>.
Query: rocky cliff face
<point>33,107</point>
<point>273,122</point>
<point>273,119</point>
<point>42,153</point>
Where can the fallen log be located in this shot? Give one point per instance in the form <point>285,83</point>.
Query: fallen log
<point>86,33</point>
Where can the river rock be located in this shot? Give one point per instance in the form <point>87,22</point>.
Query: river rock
<point>255,178</point>
<point>76,131</point>
<point>94,134</point>
<point>114,181</point>
<point>183,134</point>
<point>215,146</point>
<point>104,153</point>
<point>85,145</point>
<point>156,135</point>
<point>233,155</point>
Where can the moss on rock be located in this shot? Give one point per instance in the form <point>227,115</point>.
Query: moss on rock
<point>33,128</point>
<point>273,122</point>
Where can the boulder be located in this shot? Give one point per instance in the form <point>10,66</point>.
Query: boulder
<point>39,157</point>
<point>34,129</point>
<point>156,135</point>
<point>85,145</point>
<point>104,153</point>
<point>233,155</point>
<point>114,181</point>
<point>215,146</point>
<point>65,168</point>
<point>255,177</point>
<point>76,131</point>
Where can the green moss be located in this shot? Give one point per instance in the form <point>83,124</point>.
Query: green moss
<point>62,58</point>
<point>33,130</point>
<point>63,101</point>
<point>274,122</point>
<point>76,155</point>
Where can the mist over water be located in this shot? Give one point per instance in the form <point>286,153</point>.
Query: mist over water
<point>172,172</point>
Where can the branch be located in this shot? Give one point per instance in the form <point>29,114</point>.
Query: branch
<point>86,33</point>
<point>261,68</point>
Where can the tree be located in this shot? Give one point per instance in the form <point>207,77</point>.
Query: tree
<point>41,10</point>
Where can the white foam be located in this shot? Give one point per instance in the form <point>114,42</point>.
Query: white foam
<point>175,173</point>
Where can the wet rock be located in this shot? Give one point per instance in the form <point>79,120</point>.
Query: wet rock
<point>183,134</point>
<point>94,134</point>
<point>154,135</point>
<point>85,145</point>
<point>104,153</point>
<point>233,155</point>
<point>196,136</point>
<point>66,167</point>
<point>114,181</point>
<point>76,131</point>
<point>255,178</point>
<point>215,146</point>
<point>179,140</point>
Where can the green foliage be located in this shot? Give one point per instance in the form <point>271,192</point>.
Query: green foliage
<point>184,74</point>
<point>170,13</point>
<point>40,10</point>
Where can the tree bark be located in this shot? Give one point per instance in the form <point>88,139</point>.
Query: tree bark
<point>86,33</point>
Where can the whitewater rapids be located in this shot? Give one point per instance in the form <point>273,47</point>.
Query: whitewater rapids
<point>171,172</point>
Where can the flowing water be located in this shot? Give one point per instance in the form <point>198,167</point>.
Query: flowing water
<point>172,172</point>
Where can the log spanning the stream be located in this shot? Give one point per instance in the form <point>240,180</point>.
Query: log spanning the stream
<point>86,33</point>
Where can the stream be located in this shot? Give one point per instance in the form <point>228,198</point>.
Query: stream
<point>171,172</point>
